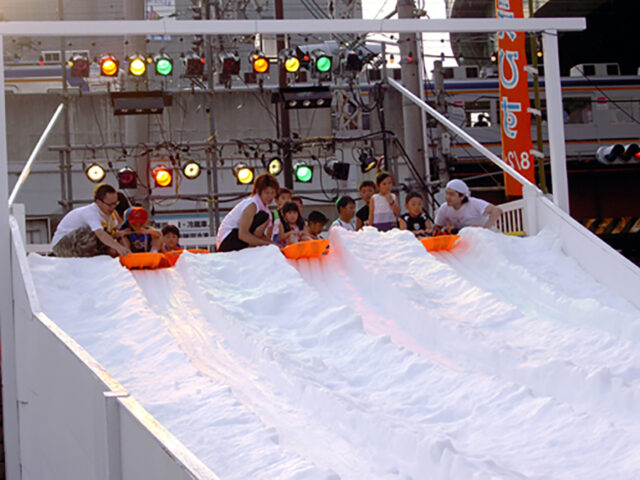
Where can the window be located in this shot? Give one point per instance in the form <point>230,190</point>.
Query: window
<point>577,110</point>
<point>478,114</point>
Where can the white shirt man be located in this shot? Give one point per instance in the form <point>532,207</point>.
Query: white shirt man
<point>86,231</point>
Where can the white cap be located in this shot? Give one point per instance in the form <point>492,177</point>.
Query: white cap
<point>459,186</point>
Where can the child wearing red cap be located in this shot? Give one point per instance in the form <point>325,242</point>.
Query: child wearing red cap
<point>136,233</point>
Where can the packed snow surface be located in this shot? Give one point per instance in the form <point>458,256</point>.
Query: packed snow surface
<point>498,359</point>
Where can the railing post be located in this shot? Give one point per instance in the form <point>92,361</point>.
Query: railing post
<point>529,210</point>
<point>112,421</point>
<point>555,120</point>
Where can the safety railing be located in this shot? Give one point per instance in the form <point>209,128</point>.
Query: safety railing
<point>511,221</point>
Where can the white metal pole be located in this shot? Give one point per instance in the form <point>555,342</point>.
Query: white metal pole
<point>461,133</point>
<point>7,331</point>
<point>27,168</point>
<point>555,120</point>
<point>115,28</point>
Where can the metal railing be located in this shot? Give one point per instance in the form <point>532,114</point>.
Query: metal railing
<point>27,168</point>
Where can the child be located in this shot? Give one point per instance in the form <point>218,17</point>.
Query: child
<point>316,222</point>
<point>138,236</point>
<point>170,238</point>
<point>383,207</point>
<point>290,225</point>
<point>298,201</point>
<point>367,189</point>
<point>415,220</point>
<point>346,209</point>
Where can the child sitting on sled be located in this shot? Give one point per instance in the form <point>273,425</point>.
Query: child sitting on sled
<point>291,225</point>
<point>415,219</point>
<point>137,235</point>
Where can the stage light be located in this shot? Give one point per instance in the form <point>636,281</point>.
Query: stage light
<point>95,173</point>
<point>109,66</point>
<point>244,174</point>
<point>127,178</point>
<point>353,61</point>
<point>259,62</point>
<point>322,61</point>
<point>303,172</point>
<point>137,65</point>
<point>191,170</point>
<point>290,60</point>
<point>337,170</point>
<point>162,176</point>
<point>230,63</point>
<point>164,64</point>
<point>275,166</point>
<point>367,162</point>
<point>194,66</point>
<point>79,65</point>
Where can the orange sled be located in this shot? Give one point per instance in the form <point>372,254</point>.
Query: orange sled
<point>149,261</point>
<point>441,242</point>
<point>172,257</point>
<point>306,249</point>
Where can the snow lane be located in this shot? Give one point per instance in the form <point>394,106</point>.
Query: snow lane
<point>562,361</point>
<point>395,364</point>
<point>100,304</point>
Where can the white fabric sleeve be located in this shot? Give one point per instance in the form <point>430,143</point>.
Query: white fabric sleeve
<point>441,218</point>
<point>91,216</point>
<point>479,205</point>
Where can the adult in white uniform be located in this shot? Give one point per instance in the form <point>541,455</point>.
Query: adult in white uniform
<point>463,210</point>
<point>248,224</point>
<point>87,231</point>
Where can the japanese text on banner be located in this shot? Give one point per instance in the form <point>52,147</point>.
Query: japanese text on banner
<point>515,122</point>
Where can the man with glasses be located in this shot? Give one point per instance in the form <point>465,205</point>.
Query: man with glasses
<point>87,231</point>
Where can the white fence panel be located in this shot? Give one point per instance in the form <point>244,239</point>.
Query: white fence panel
<point>511,220</point>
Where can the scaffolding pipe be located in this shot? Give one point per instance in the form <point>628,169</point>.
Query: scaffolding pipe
<point>27,168</point>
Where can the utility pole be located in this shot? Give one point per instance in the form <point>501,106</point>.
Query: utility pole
<point>212,171</point>
<point>136,127</point>
<point>66,187</point>
<point>285,128</point>
<point>536,89</point>
<point>413,128</point>
<point>444,142</point>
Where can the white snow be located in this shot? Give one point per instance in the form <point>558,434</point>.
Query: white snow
<point>499,359</point>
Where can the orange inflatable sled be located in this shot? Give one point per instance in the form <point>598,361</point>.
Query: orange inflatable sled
<point>150,261</point>
<point>306,249</point>
<point>173,256</point>
<point>153,261</point>
<point>441,242</point>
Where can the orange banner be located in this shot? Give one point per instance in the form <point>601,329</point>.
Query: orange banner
<point>515,120</point>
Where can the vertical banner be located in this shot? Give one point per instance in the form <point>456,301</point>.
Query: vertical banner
<point>515,120</point>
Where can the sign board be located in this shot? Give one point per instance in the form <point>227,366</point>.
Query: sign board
<point>515,120</point>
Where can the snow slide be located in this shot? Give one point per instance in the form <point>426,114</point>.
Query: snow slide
<point>499,359</point>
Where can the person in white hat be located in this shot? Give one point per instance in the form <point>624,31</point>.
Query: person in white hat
<point>463,210</point>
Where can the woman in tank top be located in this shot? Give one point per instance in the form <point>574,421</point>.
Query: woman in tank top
<point>247,224</point>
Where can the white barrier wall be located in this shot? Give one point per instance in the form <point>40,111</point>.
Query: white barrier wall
<point>599,259</point>
<point>74,420</point>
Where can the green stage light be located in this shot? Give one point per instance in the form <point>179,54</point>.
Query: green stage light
<point>164,65</point>
<point>303,172</point>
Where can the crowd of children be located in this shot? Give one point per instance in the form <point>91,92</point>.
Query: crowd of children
<point>253,222</point>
